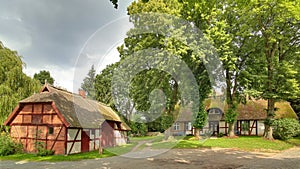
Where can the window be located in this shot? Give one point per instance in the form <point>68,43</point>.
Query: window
<point>245,125</point>
<point>188,126</point>
<point>214,111</point>
<point>176,126</point>
<point>50,130</point>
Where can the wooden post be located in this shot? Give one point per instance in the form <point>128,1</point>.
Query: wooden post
<point>100,141</point>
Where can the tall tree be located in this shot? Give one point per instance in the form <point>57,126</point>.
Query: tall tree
<point>275,27</point>
<point>219,21</point>
<point>44,76</point>
<point>103,85</point>
<point>88,84</point>
<point>258,44</point>
<point>14,84</point>
<point>142,85</point>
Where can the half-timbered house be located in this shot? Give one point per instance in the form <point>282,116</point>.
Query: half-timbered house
<point>250,119</point>
<point>65,122</point>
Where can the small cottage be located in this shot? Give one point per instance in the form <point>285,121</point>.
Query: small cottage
<point>65,122</point>
<point>250,119</point>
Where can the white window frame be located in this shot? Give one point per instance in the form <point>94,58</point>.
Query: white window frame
<point>176,126</point>
<point>188,126</point>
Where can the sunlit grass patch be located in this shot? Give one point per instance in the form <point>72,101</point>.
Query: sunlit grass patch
<point>123,149</point>
<point>248,143</point>
<point>71,157</point>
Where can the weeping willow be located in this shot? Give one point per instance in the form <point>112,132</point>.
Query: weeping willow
<point>14,84</point>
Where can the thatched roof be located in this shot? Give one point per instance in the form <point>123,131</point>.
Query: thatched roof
<point>77,110</point>
<point>252,110</point>
<point>256,109</point>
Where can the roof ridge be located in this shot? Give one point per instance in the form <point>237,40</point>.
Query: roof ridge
<point>76,94</point>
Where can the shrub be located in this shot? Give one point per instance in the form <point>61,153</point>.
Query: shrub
<point>220,134</point>
<point>285,128</point>
<point>41,150</point>
<point>40,147</point>
<point>9,146</point>
<point>138,129</point>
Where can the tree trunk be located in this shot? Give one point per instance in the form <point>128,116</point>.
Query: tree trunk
<point>231,130</point>
<point>197,133</point>
<point>270,54</point>
<point>268,134</point>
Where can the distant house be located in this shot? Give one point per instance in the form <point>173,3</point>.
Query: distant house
<point>250,119</point>
<point>65,122</point>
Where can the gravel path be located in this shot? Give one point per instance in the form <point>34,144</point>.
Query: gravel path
<point>176,159</point>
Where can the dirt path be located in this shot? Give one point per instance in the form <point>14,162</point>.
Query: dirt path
<point>140,143</point>
<point>178,158</point>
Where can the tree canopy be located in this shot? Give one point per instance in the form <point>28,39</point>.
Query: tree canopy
<point>44,76</point>
<point>88,84</point>
<point>258,43</point>
<point>14,84</point>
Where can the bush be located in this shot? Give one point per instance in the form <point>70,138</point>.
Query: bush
<point>138,129</point>
<point>220,134</point>
<point>9,146</point>
<point>285,128</point>
<point>41,150</point>
<point>40,147</point>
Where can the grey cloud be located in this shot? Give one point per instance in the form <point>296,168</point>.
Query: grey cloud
<point>57,29</point>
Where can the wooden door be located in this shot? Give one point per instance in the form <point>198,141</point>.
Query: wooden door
<point>85,141</point>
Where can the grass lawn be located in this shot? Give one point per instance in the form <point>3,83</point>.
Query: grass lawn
<point>71,157</point>
<point>108,152</point>
<point>295,141</point>
<point>119,150</point>
<point>248,143</point>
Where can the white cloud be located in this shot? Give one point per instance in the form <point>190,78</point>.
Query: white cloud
<point>63,78</point>
<point>50,34</point>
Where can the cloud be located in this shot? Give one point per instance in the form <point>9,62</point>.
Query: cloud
<point>51,34</point>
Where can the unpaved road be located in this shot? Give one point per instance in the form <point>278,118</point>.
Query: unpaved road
<point>177,159</point>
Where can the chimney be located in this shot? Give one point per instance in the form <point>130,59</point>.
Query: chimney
<point>82,93</point>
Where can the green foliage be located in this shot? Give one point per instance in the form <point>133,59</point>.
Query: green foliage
<point>230,115</point>
<point>200,119</point>
<point>152,79</point>
<point>55,158</point>
<point>138,129</point>
<point>44,76</point>
<point>41,150</point>
<point>220,134</point>
<point>161,124</point>
<point>273,68</point>
<point>103,85</point>
<point>9,146</point>
<point>295,103</point>
<point>14,84</point>
<point>40,147</point>
<point>286,128</point>
<point>88,84</point>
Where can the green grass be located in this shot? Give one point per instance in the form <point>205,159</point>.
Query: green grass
<point>144,138</point>
<point>119,150</point>
<point>295,141</point>
<point>248,143</point>
<point>71,157</point>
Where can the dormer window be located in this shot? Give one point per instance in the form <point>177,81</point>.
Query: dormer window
<point>214,111</point>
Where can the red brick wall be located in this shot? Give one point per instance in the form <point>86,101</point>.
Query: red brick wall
<point>32,123</point>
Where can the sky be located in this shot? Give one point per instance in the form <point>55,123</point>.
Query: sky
<point>64,37</point>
